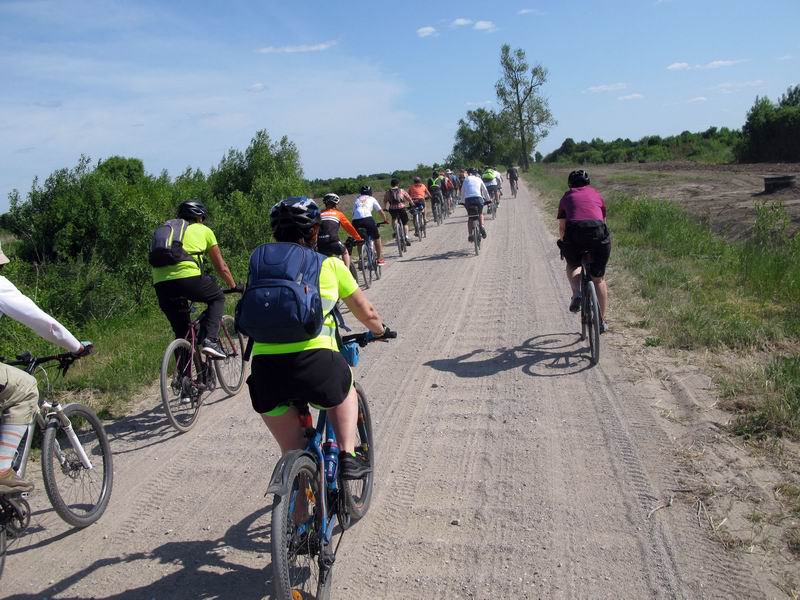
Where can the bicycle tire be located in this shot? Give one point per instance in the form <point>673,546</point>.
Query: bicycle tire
<point>476,237</point>
<point>85,423</point>
<point>398,236</point>
<point>181,415</point>
<point>594,324</point>
<point>366,271</point>
<point>3,547</point>
<point>230,370</point>
<point>287,576</point>
<point>357,504</point>
<point>417,227</point>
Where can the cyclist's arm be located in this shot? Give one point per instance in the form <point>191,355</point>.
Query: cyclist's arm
<point>19,307</point>
<point>484,191</point>
<point>215,254</point>
<point>363,310</point>
<point>348,227</point>
<point>562,228</point>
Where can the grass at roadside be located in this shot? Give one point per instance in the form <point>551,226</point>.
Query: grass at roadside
<point>703,291</point>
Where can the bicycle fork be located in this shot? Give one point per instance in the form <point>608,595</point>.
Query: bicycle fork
<point>66,425</point>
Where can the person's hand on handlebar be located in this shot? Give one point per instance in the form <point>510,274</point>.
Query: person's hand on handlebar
<point>85,349</point>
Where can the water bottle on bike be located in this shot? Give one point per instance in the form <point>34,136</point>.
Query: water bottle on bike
<point>331,451</point>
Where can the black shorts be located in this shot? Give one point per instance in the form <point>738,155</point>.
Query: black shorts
<point>321,378</point>
<point>587,236</point>
<point>399,213</point>
<point>474,205</point>
<point>368,224</point>
<point>331,248</point>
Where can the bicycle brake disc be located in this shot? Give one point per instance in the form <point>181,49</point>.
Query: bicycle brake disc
<point>20,518</point>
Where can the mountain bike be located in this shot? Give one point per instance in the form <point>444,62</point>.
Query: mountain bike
<point>368,257</point>
<point>590,310</point>
<point>400,236</point>
<point>475,230</point>
<point>310,498</point>
<point>438,211</point>
<point>187,376</point>
<point>76,457</point>
<point>419,221</point>
<point>514,186</point>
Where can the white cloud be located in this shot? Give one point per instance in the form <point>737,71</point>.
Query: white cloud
<point>461,22</point>
<point>734,86</point>
<point>256,88</point>
<point>297,49</point>
<point>785,57</point>
<point>714,64</point>
<point>426,31</point>
<point>606,87</point>
<point>678,66</point>
<point>697,99</point>
<point>484,26</point>
<point>635,96</point>
<point>530,11</point>
<point>483,103</point>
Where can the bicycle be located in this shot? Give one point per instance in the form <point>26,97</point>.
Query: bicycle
<point>419,221</point>
<point>368,257</point>
<point>438,211</point>
<point>590,310</point>
<point>303,551</point>
<point>77,465</point>
<point>475,230</point>
<point>186,375</point>
<point>514,186</point>
<point>400,236</point>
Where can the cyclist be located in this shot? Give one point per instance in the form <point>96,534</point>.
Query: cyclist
<point>489,178</point>
<point>419,193</point>
<point>331,218</point>
<point>437,186</point>
<point>312,371</point>
<point>19,394</point>
<point>474,195</point>
<point>185,281</point>
<point>396,200</point>
<point>582,225</point>
<point>513,176</point>
<point>363,207</point>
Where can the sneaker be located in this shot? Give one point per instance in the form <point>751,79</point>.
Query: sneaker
<point>469,238</point>
<point>213,349</point>
<point>353,467</point>
<point>483,233</point>
<point>603,327</point>
<point>408,242</point>
<point>11,483</point>
<point>381,262</point>
<point>575,304</point>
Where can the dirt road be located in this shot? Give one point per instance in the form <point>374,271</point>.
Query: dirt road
<point>507,468</point>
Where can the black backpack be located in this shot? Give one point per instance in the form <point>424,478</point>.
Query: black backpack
<point>166,248</point>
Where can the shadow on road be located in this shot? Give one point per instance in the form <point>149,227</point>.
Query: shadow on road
<point>443,256</point>
<point>199,569</point>
<point>549,355</point>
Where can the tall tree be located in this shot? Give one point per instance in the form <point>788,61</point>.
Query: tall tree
<point>519,93</point>
<point>483,136</point>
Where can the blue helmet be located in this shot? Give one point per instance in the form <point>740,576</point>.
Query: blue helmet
<point>294,217</point>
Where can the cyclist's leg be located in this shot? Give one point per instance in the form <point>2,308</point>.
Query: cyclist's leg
<point>205,289</point>
<point>172,302</point>
<point>18,398</point>
<point>600,255</point>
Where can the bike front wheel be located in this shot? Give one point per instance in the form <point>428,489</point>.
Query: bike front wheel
<point>180,395</point>
<point>296,536</point>
<point>230,370</point>
<point>358,493</point>
<point>593,323</point>
<point>78,494</point>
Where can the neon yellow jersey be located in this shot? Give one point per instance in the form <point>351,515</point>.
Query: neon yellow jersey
<point>335,281</point>
<point>197,241</point>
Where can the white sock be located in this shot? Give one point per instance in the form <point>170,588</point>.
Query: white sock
<point>10,437</point>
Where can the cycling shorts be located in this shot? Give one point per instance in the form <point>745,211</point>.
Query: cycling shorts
<point>368,224</point>
<point>335,248</point>
<point>321,378</point>
<point>491,189</point>
<point>474,205</point>
<point>399,213</point>
<point>587,236</point>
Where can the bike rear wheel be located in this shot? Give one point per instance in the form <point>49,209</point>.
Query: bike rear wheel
<point>372,256</point>
<point>476,236</point>
<point>358,493</point>
<point>3,545</point>
<point>363,265</point>
<point>296,536</point>
<point>593,323</point>
<point>399,235</point>
<point>230,370</point>
<point>179,393</point>
<point>79,495</point>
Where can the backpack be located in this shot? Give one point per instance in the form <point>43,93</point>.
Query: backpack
<point>448,184</point>
<point>488,177</point>
<point>166,247</point>
<point>282,302</point>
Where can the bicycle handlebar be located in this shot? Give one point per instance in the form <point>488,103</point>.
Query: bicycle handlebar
<point>65,359</point>
<point>362,339</point>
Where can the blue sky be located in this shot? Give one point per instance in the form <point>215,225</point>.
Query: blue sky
<point>364,86</point>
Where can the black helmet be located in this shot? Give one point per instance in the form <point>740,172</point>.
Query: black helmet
<point>578,178</point>
<point>294,217</point>
<point>330,198</point>
<point>191,210</point>
<point>366,190</point>
<point>417,180</point>
<point>472,171</point>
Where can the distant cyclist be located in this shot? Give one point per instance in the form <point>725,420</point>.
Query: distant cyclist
<point>513,177</point>
<point>397,201</point>
<point>332,218</point>
<point>419,193</point>
<point>473,196</point>
<point>437,186</point>
<point>363,207</point>
<point>489,177</point>
<point>177,284</point>
<point>582,225</point>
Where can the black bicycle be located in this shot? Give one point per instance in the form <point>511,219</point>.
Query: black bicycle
<point>418,214</point>
<point>590,310</point>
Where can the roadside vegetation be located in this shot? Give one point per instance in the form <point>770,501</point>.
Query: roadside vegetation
<point>702,291</point>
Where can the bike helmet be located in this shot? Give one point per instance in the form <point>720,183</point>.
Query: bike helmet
<point>417,180</point>
<point>366,190</point>
<point>294,218</point>
<point>330,198</point>
<point>191,210</point>
<point>472,171</point>
<point>578,178</point>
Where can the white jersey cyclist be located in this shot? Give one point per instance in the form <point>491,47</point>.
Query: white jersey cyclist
<point>364,206</point>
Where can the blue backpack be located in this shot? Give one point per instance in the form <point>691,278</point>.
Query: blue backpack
<point>282,303</point>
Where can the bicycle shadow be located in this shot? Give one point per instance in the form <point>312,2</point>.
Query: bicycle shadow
<point>547,355</point>
<point>205,568</point>
<point>443,256</point>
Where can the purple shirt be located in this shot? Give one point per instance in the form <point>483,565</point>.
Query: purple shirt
<point>582,204</point>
